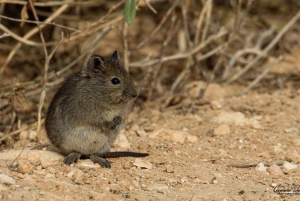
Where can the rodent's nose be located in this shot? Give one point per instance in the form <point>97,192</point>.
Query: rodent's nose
<point>134,95</point>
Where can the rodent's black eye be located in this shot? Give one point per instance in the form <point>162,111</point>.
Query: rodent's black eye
<point>115,81</point>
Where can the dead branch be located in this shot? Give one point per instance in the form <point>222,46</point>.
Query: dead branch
<point>222,32</point>
<point>35,22</point>
<point>267,49</point>
<point>31,33</point>
<point>261,76</point>
<point>249,165</point>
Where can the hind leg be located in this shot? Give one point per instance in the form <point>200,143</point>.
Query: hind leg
<point>101,161</point>
<point>72,158</point>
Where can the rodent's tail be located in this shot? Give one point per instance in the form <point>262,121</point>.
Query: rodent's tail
<point>118,154</point>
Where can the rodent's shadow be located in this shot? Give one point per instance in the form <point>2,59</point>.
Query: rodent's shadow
<point>115,154</point>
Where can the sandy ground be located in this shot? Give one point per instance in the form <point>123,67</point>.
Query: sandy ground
<point>190,148</point>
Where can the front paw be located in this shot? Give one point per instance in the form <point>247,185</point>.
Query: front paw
<point>114,123</point>
<point>117,120</point>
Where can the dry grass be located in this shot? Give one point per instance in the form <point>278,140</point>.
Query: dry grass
<point>170,44</point>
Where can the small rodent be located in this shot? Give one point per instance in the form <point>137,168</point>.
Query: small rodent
<point>85,115</point>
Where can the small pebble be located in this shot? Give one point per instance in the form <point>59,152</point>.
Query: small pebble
<point>170,169</point>
<point>291,130</point>
<point>191,138</point>
<point>236,118</point>
<point>289,167</point>
<point>261,167</point>
<point>122,141</point>
<point>46,162</point>
<point>142,163</point>
<point>174,135</point>
<point>216,104</point>
<point>49,175</point>
<point>136,184</point>
<point>222,130</point>
<point>159,187</point>
<point>25,166</point>
<point>141,133</point>
<point>275,169</point>
<point>296,142</point>
<point>184,179</point>
<point>214,180</point>
<point>5,179</point>
<point>87,164</point>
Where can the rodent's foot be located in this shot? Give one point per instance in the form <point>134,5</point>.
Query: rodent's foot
<point>101,161</point>
<point>72,158</point>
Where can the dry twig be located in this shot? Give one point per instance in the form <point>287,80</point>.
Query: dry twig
<point>31,33</point>
<point>249,165</point>
<point>261,76</point>
<point>267,49</point>
<point>222,32</point>
<point>46,67</point>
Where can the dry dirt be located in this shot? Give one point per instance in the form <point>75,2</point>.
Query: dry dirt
<point>257,127</point>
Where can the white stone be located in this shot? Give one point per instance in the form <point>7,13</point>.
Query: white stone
<point>173,135</point>
<point>142,163</point>
<point>122,141</point>
<point>222,130</point>
<point>291,130</point>
<point>191,138</point>
<point>216,104</point>
<point>236,118</point>
<point>141,133</point>
<point>7,179</point>
<point>87,164</point>
<point>289,166</point>
<point>275,169</point>
<point>261,167</point>
<point>159,187</point>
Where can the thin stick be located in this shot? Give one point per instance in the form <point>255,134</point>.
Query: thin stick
<point>101,36</point>
<point>268,48</point>
<point>158,27</point>
<point>58,73</point>
<point>236,56</point>
<point>195,50</point>
<point>32,126</point>
<point>35,22</point>
<point>262,75</point>
<point>4,35</point>
<point>46,67</point>
<point>94,29</point>
<point>200,22</point>
<point>169,37</point>
<point>185,24</point>
<point>20,39</point>
<point>111,10</point>
<point>249,165</point>
<point>2,7</point>
<point>125,44</point>
<point>207,21</point>
<point>31,33</point>
<point>150,7</point>
<point>50,3</point>
<point>186,71</point>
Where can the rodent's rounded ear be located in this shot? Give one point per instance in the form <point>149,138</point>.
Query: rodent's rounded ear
<point>115,56</point>
<point>94,63</point>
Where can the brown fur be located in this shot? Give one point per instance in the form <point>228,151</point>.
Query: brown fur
<point>85,115</point>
